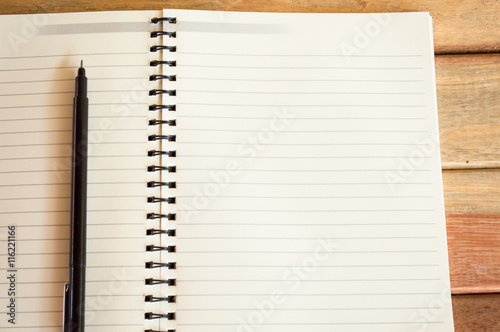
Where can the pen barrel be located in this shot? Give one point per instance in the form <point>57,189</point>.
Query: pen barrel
<point>79,181</point>
<point>75,297</point>
<point>75,300</point>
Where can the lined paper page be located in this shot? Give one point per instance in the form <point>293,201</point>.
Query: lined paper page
<point>309,190</point>
<point>38,62</point>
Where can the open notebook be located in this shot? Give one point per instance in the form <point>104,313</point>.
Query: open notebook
<point>247,172</point>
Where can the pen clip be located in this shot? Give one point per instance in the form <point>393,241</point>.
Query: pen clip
<point>66,308</point>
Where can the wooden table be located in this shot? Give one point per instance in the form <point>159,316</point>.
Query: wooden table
<point>467,42</point>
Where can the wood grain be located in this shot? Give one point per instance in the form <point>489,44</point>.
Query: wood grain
<point>472,192</point>
<point>472,205</point>
<point>474,253</point>
<point>468,90</point>
<point>459,27</point>
<point>476,313</point>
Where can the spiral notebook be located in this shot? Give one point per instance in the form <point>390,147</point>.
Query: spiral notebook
<point>261,172</point>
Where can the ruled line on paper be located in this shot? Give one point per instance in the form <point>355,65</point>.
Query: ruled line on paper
<point>320,309</point>
<point>355,224</point>
<point>305,131</point>
<point>320,294</point>
<point>180,266</point>
<point>310,184</point>
<point>21,69</point>
<point>302,238</point>
<point>296,157</point>
<point>307,252</point>
<point>300,68</point>
<point>301,144</point>
<point>71,80</point>
<point>316,324</point>
<point>61,92</point>
<point>322,280</point>
<point>300,93</point>
<point>294,80</point>
<point>311,211</point>
<point>304,55</point>
<point>51,56</point>
<point>296,118</point>
<point>295,105</point>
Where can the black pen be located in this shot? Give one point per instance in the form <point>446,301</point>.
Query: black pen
<point>74,296</point>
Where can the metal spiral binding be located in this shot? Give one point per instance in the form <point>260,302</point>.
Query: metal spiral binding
<point>158,231</point>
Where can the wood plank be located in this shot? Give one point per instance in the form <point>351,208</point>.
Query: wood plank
<point>466,26</point>
<point>476,313</point>
<point>472,192</point>
<point>468,91</point>
<point>472,204</point>
<point>474,253</point>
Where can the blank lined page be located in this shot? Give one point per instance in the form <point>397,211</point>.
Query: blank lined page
<point>309,190</point>
<point>38,61</point>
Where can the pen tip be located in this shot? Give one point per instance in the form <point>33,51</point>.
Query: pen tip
<point>81,64</point>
